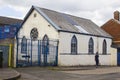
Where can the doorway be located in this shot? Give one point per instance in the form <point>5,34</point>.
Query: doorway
<point>1,59</point>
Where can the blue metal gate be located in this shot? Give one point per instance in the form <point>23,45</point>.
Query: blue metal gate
<point>118,56</point>
<point>35,53</point>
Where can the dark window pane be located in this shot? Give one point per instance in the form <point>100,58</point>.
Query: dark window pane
<point>73,45</point>
<point>104,47</point>
<point>91,46</point>
<point>24,45</point>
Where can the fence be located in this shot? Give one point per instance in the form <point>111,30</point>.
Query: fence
<point>36,53</point>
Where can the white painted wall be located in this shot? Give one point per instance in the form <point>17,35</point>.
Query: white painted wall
<point>66,59</point>
<point>77,60</point>
<point>113,56</point>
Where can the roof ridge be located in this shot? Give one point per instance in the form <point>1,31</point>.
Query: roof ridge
<point>117,21</point>
<point>10,18</point>
<point>61,12</point>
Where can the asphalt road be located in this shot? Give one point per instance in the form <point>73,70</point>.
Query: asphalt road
<point>37,73</point>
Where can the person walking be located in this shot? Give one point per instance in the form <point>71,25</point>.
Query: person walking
<point>97,59</point>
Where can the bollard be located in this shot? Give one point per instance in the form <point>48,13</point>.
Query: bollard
<point>1,59</point>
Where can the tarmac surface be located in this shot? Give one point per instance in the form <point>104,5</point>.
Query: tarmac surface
<point>8,74</point>
<point>60,73</point>
<point>69,73</point>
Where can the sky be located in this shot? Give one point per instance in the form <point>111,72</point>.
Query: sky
<point>99,11</point>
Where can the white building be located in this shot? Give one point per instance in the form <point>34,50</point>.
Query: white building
<point>48,37</point>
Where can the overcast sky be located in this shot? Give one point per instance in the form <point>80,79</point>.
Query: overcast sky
<point>99,11</point>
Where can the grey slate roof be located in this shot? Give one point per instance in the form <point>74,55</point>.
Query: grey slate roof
<point>7,20</point>
<point>66,22</point>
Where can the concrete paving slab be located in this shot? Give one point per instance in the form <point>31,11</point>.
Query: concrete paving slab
<point>100,70</point>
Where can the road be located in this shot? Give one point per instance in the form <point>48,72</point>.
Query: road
<point>37,73</point>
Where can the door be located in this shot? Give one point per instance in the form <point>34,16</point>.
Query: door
<point>118,56</point>
<point>5,50</point>
<point>1,59</point>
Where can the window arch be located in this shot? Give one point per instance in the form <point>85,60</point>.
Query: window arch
<point>74,45</point>
<point>24,45</point>
<point>91,46</point>
<point>104,47</point>
<point>34,34</point>
<point>45,40</point>
<point>45,45</point>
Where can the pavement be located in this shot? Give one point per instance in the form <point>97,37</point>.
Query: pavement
<point>8,74</point>
<point>61,73</point>
<point>93,70</point>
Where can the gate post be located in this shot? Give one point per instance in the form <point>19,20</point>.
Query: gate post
<point>39,54</point>
<point>31,53</point>
<point>1,59</point>
<point>10,55</point>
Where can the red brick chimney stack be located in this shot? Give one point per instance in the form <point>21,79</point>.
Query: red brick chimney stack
<point>117,15</point>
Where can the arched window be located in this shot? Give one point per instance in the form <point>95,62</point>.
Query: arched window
<point>91,46</point>
<point>104,47</point>
<point>45,45</point>
<point>74,45</point>
<point>34,34</point>
<point>24,45</point>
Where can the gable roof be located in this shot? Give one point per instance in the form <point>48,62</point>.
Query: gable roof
<point>7,20</point>
<point>113,28</point>
<point>69,23</point>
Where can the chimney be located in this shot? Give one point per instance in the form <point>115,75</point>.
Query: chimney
<point>117,15</point>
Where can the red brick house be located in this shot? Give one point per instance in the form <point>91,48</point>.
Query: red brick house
<point>112,27</point>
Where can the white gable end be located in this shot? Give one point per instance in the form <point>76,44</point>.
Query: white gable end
<point>35,20</point>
